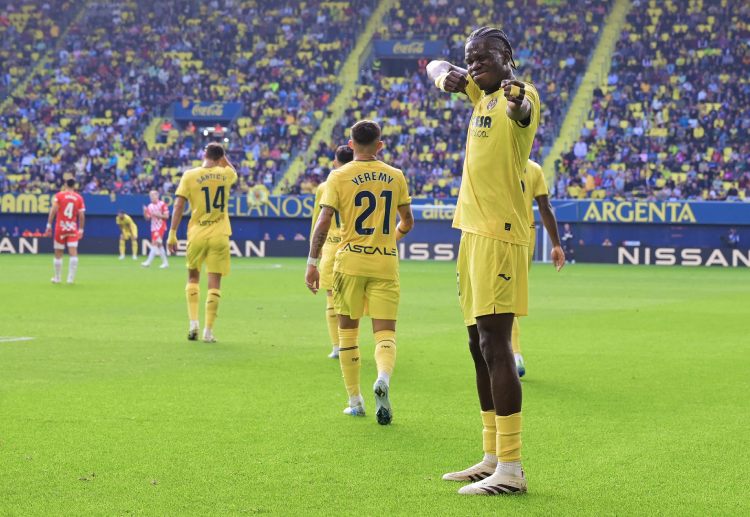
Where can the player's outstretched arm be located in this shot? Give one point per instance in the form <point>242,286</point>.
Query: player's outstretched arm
<point>519,107</point>
<point>550,223</point>
<point>312,275</point>
<point>447,76</point>
<point>406,223</point>
<point>179,207</point>
<point>51,217</point>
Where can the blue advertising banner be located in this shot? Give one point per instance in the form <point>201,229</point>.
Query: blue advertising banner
<point>652,212</point>
<point>275,207</point>
<point>425,209</point>
<point>649,212</point>
<point>207,111</point>
<point>408,48</point>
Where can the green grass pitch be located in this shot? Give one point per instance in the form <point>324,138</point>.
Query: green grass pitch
<point>635,402</point>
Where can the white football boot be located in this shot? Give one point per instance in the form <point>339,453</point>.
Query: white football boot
<point>499,483</point>
<point>478,472</point>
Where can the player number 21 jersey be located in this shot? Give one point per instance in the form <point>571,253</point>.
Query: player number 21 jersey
<point>366,195</point>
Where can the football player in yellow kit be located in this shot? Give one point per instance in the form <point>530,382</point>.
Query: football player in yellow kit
<point>535,188</point>
<point>128,232</point>
<point>207,190</point>
<point>492,265</point>
<point>367,194</point>
<point>344,155</point>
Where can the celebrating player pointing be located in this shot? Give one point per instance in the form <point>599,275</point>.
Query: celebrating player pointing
<point>492,260</point>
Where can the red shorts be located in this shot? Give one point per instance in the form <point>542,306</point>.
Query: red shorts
<point>158,235</point>
<point>63,239</point>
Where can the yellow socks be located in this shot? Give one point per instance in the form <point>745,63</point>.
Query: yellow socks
<point>508,438</point>
<point>212,307</point>
<point>349,360</point>
<point>515,337</point>
<point>385,353</point>
<point>332,321</point>
<point>122,247</point>
<point>133,247</point>
<point>193,294</point>
<point>489,433</point>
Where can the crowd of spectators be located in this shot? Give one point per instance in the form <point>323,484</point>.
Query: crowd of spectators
<point>673,119</point>
<point>125,63</point>
<point>28,30</point>
<point>670,123</point>
<point>425,129</point>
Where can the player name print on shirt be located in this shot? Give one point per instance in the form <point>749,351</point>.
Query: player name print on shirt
<point>372,176</point>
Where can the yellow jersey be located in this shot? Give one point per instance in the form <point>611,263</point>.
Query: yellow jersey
<point>534,186</point>
<point>334,233</point>
<point>207,191</point>
<point>491,200</point>
<point>366,195</point>
<point>126,223</point>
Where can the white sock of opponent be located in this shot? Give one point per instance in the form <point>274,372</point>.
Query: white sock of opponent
<point>151,255</point>
<point>57,262</point>
<point>72,268</point>
<point>163,254</point>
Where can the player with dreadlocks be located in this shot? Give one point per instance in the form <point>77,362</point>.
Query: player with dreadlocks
<point>492,264</point>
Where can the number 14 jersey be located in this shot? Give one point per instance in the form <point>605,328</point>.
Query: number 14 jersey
<point>207,191</point>
<point>367,194</point>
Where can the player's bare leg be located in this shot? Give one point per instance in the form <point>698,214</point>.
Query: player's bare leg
<point>212,306</point>
<point>487,466</point>
<point>350,364</point>
<point>495,346</point>
<point>57,262</point>
<point>72,262</point>
<point>192,293</point>
<point>385,358</point>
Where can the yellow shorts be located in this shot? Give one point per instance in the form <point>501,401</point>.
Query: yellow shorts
<point>493,277</point>
<point>327,258</point>
<point>355,296</point>
<point>128,235</point>
<point>214,251</point>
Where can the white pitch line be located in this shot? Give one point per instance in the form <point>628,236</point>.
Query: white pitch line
<point>10,339</point>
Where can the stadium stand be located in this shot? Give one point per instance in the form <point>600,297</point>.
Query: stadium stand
<point>121,66</point>
<point>97,101</point>
<point>424,129</point>
<point>672,120</point>
<point>28,31</point>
